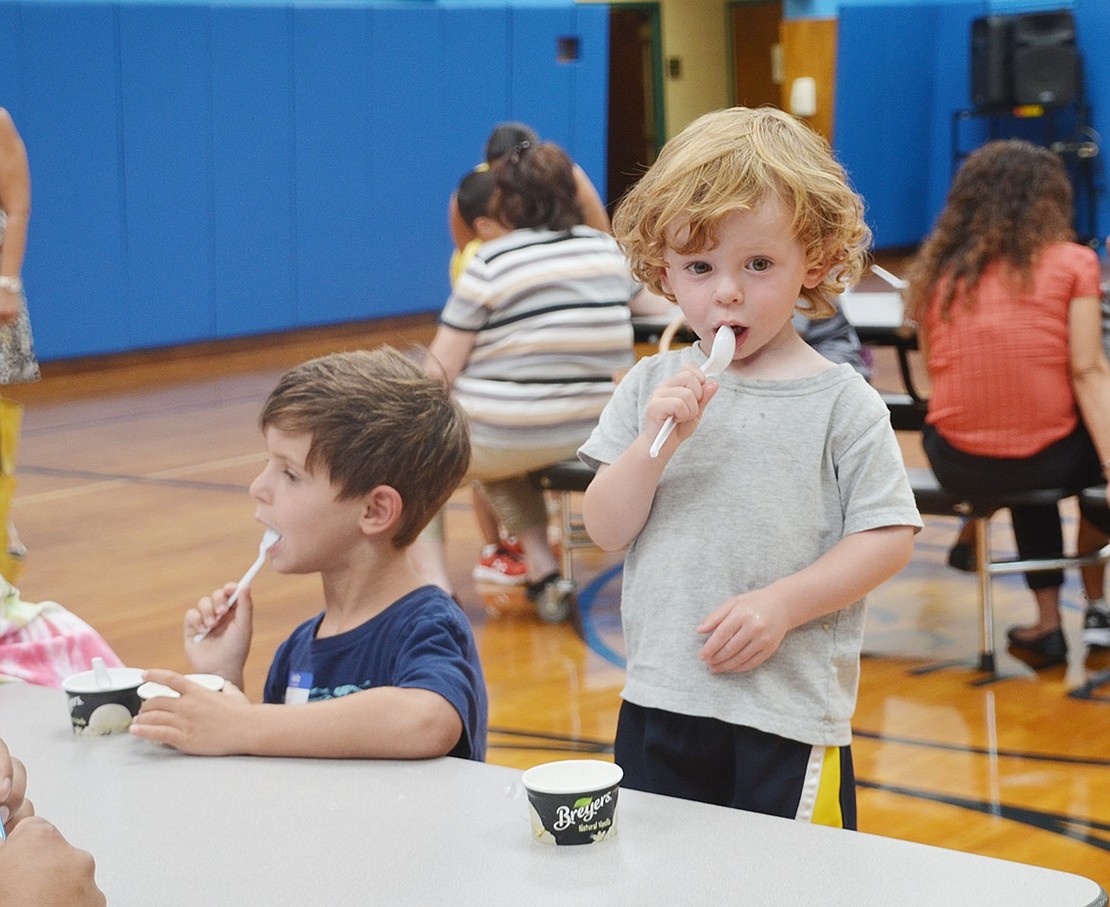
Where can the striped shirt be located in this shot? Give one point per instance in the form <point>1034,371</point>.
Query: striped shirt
<point>552,326</point>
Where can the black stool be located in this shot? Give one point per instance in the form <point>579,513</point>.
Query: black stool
<point>559,600</point>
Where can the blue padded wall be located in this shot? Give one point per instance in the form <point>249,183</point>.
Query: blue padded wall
<point>252,168</point>
<point>333,185</point>
<point>408,239</point>
<point>903,71</point>
<point>590,75</point>
<point>204,170</point>
<point>884,111</point>
<point>70,120</point>
<point>167,138</point>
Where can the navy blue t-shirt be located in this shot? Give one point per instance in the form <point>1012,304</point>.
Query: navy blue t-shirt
<point>422,641</point>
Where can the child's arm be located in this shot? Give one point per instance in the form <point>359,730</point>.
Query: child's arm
<point>224,650</point>
<point>448,353</point>
<point>618,500</point>
<point>379,723</point>
<point>747,629</point>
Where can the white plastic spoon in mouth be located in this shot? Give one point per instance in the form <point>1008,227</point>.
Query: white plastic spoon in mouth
<point>724,348</point>
<point>269,538</point>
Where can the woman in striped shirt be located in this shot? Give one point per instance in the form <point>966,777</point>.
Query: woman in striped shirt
<point>536,328</point>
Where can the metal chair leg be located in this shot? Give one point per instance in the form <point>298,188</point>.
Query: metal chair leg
<point>986,600</point>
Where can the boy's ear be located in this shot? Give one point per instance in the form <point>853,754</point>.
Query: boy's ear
<point>382,509</point>
<point>665,284</point>
<point>815,274</point>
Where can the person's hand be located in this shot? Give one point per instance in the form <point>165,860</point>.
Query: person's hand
<point>13,787</point>
<point>224,650</point>
<point>683,397</point>
<point>199,721</point>
<point>40,868</point>
<point>743,632</point>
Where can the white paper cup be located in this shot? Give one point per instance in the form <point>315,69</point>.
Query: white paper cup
<point>573,801</point>
<point>209,681</point>
<point>96,711</point>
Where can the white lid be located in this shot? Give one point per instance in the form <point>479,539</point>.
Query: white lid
<point>570,776</point>
<point>210,681</point>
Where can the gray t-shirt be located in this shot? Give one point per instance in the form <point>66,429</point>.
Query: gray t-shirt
<point>775,475</point>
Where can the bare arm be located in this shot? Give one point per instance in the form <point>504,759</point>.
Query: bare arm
<point>1090,371</point>
<point>379,723</point>
<point>593,210</point>
<point>15,200</point>
<point>448,352</point>
<point>646,302</point>
<point>747,629</point>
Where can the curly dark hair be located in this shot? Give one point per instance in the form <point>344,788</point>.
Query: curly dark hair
<point>1009,199</point>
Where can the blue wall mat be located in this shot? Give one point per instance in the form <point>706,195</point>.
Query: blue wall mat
<point>252,123</point>
<point>904,70</point>
<point>884,112</point>
<point>541,86</point>
<point>70,119</point>
<point>11,84</point>
<point>207,170</point>
<point>476,73</point>
<point>335,265</point>
<point>167,157</point>
<point>407,242</point>
<point>589,122</point>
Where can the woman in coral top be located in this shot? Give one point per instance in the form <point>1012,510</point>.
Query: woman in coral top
<point>1008,308</point>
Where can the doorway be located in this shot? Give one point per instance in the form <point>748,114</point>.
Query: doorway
<point>635,94</point>
<point>757,71</point>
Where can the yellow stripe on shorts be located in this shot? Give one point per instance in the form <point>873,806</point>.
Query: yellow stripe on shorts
<point>820,800</point>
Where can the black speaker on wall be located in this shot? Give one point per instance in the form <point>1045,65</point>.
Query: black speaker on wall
<point>991,78</point>
<point>1045,60</point>
<point>1024,59</point>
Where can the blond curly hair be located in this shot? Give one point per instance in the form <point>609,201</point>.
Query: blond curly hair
<point>731,160</point>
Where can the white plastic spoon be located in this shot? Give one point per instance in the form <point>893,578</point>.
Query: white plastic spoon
<point>100,673</point>
<point>724,348</point>
<point>269,539</point>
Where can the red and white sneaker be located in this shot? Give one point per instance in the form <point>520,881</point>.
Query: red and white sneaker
<point>502,565</point>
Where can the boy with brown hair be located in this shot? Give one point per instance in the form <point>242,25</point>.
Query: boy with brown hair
<point>363,449</point>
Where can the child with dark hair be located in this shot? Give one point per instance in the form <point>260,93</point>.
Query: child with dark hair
<point>503,138</point>
<point>530,340</point>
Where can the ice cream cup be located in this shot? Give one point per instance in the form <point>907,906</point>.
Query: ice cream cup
<point>573,801</point>
<point>210,681</point>
<point>96,709</point>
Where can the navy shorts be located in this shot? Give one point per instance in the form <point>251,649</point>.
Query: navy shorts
<point>730,765</point>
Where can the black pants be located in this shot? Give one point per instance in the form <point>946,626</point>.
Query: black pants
<point>711,761</point>
<point>1071,462</point>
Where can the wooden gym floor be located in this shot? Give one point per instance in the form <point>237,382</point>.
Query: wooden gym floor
<point>132,500</point>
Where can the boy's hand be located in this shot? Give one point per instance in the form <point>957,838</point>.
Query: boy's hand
<point>224,650</point>
<point>682,397</point>
<point>199,721</point>
<point>743,632</point>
